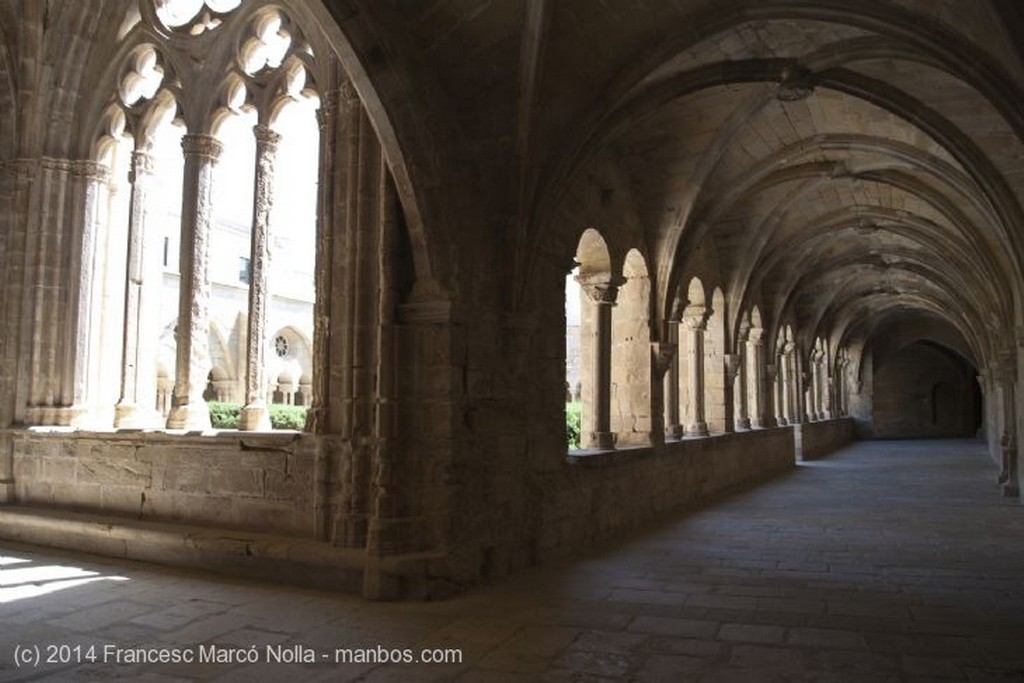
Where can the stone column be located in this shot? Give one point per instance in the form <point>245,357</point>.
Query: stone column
<point>694,321</point>
<point>662,355</point>
<point>188,409</point>
<point>826,388</point>
<point>317,419</point>
<point>673,425</point>
<point>733,364</point>
<point>756,379</point>
<point>255,415</point>
<point>780,390</point>
<point>786,379</point>
<point>79,353</point>
<point>816,385</point>
<point>602,293</point>
<point>1007,371</point>
<point>836,387</point>
<point>137,405</point>
<point>743,418</point>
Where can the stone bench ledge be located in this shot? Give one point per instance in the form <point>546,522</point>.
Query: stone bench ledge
<point>305,562</point>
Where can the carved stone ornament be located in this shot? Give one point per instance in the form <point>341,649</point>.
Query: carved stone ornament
<point>732,366</point>
<point>696,317</point>
<point>663,355</point>
<point>205,146</point>
<point>601,288</point>
<point>795,83</point>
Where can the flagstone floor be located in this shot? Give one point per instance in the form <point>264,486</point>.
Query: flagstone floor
<point>887,561</point>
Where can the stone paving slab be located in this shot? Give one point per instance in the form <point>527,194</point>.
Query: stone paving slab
<point>886,562</point>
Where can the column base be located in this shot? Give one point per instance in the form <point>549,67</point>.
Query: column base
<point>1011,490</point>
<point>743,424</point>
<point>132,416</point>
<point>190,416</point>
<point>698,429</point>
<point>602,440</point>
<point>674,431</point>
<point>255,417</point>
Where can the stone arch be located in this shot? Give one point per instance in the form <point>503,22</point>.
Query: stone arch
<point>290,356</point>
<point>406,143</point>
<point>219,385</point>
<point>225,363</point>
<point>598,290</point>
<point>631,414</point>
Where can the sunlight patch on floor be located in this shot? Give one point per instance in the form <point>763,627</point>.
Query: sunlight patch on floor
<point>34,580</point>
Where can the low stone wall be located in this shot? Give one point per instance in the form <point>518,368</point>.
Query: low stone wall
<point>255,482</point>
<point>603,494</point>
<point>817,439</point>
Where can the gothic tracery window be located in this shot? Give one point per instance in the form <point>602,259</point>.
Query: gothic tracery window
<point>172,245</point>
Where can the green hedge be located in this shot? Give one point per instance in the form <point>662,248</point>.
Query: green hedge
<point>572,424</point>
<point>225,416</point>
<point>288,417</point>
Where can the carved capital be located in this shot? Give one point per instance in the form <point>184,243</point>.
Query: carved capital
<point>601,288</point>
<point>23,168</point>
<point>744,330</point>
<point>203,146</point>
<point>348,98</point>
<point>51,164</point>
<point>327,111</point>
<point>663,354</point>
<point>676,313</point>
<point>755,335</point>
<point>91,171</point>
<point>266,137</point>
<point>696,317</point>
<point>143,166</point>
<point>732,366</point>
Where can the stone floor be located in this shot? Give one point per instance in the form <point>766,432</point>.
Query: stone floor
<point>888,561</point>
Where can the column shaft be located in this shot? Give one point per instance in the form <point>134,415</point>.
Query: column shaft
<point>694,325</point>
<point>80,353</point>
<point>192,365</point>
<point>602,373</point>
<point>743,418</point>
<point>136,407</point>
<point>255,415</point>
<point>326,116</point>
<point>784,391</point>
<point>756,378</point>
<point>673,427</point>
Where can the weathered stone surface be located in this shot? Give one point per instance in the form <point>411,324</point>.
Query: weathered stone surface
<point>775,217</point>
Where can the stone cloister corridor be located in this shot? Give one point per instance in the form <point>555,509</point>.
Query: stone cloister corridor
<point>437,306</point>
<point>886,561</point>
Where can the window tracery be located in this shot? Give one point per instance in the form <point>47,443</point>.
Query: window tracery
<point>194,17</point>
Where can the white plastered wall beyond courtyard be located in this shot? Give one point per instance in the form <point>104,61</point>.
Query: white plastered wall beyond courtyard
<point>785,224</point>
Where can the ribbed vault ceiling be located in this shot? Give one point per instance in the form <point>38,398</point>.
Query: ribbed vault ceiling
<point>844,173</point>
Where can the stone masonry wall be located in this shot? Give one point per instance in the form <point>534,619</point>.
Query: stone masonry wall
<point>597,496</point>
<point>261,484</point>
<point>817,439</point>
